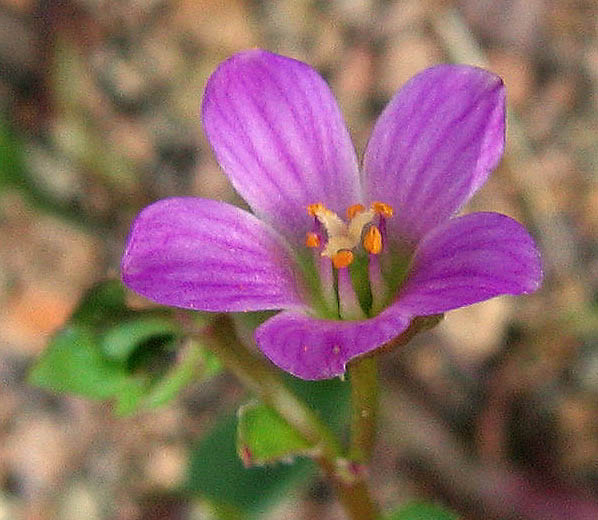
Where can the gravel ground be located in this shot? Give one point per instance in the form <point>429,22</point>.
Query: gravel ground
<point>493,413</point>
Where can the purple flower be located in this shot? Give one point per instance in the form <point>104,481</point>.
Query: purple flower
<point>351,258</point>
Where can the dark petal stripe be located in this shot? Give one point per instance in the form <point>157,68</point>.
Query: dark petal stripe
<point>434,146</point>
<point>235,139</point>
<point>278,134</point>
<point>443,152</point>
<point>207,255</point>
<point>255,93</point>
<point>310,348</point>
<point>467,260</point>
<point>303,118</point>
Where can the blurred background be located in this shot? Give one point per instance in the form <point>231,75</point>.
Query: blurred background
<point>493,413</point>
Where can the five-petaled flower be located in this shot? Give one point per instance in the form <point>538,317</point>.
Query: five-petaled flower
<point>350,258</point>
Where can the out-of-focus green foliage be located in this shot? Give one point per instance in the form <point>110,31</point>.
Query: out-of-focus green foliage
<point>181,374</point>
<point>103,305</point>
<point>81,138</point>
<point>108,351</point>
<point>329,398</point>
<point>421,512</point>
<point>73,364</point>
<point>119,342</point>
<point>14,175</point>
<point>217,474</point>
<point>11,164</point>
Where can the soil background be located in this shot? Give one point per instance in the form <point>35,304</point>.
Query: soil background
<point>493,413</point>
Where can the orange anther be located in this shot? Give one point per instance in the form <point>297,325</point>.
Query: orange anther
<point>384,210</point>
<point>372,241</point>
<point>312,240</point>
<point>342,258</point>
<point>312,209</point>
<point>354,209</point>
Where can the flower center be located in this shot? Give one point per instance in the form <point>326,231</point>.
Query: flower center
<point>343,237</point>
<point>357,242</point>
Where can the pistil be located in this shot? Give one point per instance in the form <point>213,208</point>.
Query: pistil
<point>354,210</point>
<point>326,273</point>
<point>377,285</point>
<point>348,303</point>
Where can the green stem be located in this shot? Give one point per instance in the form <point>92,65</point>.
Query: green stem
<point>351,490</point>
<point>262,379</point>
<point>363,375</point>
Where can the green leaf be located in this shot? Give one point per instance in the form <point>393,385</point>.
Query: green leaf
<point>264,437</point>
<point>216,473</point>
<point>130,398</point>
<point>12,171</point>
<point>210,365</point>
<point>329,398</point>
<point>120,341</point>
<point>103,304</point>
<point>179,376</point>
<point>108,351</point>
<point>420,511</point>
<point>73,363</point>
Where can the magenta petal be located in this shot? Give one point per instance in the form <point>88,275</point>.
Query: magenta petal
<point>207,255</point>
<point>311,348</point>
<point>434,146</point>
<point>278,134</point>
<point>467,260</point>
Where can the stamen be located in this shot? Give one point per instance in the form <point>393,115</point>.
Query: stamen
<point>354,210</point>
<point>333,242</point>
<point>314,209</point>
<point>384,210</point>
<point>372,241</point>
<point>312,239</point>
<point>342,259</point>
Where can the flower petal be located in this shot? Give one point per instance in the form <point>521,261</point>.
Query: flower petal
<point>311,348</point>
<point>278,134</point>
<point>467,260</point>
<point>210,256</point>
<point>434,146</point>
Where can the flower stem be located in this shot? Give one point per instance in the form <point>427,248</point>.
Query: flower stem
<point>352,491</point>
<point>262,379</point>
<point>363,375</point>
